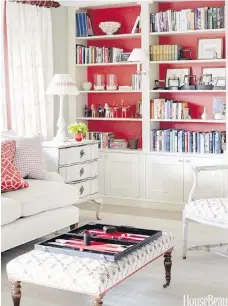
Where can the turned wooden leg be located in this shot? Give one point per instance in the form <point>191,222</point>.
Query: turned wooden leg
<point>73,226</point>
<point>99,203</point>
<point>16,293</point>
<point>98,300</point>
<point>168,265</point>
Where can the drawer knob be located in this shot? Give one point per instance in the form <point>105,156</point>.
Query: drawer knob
<point>82,153</point>
<point>81,171</point>
<point>81,190</point>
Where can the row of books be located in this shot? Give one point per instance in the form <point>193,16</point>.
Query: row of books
<point>168,109</point>
<point>186,141</point>
<point>83,25</point>
<point>165,52</point>
<point>92,55</point>
<point>189,19</point>
<point>136,81</point>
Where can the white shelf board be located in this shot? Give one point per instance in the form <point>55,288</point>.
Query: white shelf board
<point>189,91</point>
<point>198,61</point>
<point>189,32</point>
<point>107,64</point>
<point>117,36</point>
<point>109,91</point>
<point>188,154</point>
<point>109,119</point>
<point>178,1</point>
<point>189,121</point>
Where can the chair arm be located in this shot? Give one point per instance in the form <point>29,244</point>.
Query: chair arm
<point>54,176</point>
<point>210,168</point>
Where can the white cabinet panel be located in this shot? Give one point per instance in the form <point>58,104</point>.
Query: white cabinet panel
<point>164,179</point>
<point>122,175</point>
<point>211,184</point>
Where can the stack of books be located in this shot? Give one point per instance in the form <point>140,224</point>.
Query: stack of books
<point>136,81</point>
<point>83,25</point>
<point>190,19</point>
<point>93,55</point>
<point>167,109</point>
<point>173,140</point>
<point>165,52</point>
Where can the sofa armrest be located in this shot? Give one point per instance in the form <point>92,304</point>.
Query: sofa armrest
<point>54,176</point>
<point>210,168</point>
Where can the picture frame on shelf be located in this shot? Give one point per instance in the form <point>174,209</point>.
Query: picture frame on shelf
<point>210,48</point>
<point>177,73</point>
<point>218,109</point>
<point>124,56</point>
<point>218,76</point>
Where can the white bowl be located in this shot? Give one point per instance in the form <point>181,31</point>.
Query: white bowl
<point>109,27</point>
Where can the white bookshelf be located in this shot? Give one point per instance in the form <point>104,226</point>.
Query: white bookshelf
<point>107,64</point>
<point>189,121</point>
<point>108,91</point>
<point>189,62</point>
<point>189,91</point>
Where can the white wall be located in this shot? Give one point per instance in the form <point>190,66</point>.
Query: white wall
<point>60,50</point>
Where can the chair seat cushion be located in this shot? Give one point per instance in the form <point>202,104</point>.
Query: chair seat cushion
<point>208,211</point>
<point>81,274</point>
<point>10,210</point>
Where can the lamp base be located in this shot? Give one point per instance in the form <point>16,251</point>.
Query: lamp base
<point>60,139</point>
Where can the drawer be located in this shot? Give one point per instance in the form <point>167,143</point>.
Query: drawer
<point>94,151</point>
<point>74,155</point>
<point>83,189</point>
<point>79,172</point>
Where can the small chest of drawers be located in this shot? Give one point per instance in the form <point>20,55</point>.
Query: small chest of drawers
<point>77,163</point>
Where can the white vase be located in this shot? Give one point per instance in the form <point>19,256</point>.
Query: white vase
<point>204,114</point>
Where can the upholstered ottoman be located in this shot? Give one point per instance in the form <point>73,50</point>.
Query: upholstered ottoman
<point>84,275</point>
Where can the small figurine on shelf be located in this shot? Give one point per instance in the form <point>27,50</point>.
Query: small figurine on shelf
<point>100,111</point>
<point>93,110</point>
<point>107,110</point>
<point>204,114</point>
<point>115,109</point>
<point>86,111</point>
<point>124,109</point>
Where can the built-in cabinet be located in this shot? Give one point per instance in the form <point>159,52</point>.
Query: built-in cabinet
<point>166,179</point>
<point>121,175</point>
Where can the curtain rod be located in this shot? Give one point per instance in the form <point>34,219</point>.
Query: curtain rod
<point>47,4</point>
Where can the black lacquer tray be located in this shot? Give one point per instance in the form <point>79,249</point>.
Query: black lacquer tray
<point>113,247</point>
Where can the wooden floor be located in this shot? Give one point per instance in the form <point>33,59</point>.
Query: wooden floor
<point>200,275</point>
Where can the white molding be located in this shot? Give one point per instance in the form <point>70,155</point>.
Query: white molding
<point>108,64</point>
<point>189,62</point>
<point>108,91</point>
<point>189,91</point>
<point>108,119</point>
<point>189,121</point>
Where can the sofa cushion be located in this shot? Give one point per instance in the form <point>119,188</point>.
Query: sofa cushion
<point>11,178</point>
<point>10,210</point>
<point>44,195</point>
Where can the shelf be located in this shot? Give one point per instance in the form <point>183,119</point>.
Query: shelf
<point>117,36</point>
<point>109,119</point>
<point>188,154</point>
<point>189,32</point>
<point>109,91</point>
<point>178,1</point>
<point>197,61</point>
<point>108,64</point>
<point>188,91</point>
<point>189,121</point>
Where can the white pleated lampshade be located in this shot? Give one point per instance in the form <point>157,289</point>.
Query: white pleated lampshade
<point>137,55</point>
<point>62,84</point>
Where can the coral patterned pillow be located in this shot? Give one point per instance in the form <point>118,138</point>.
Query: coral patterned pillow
<point>11,178</point>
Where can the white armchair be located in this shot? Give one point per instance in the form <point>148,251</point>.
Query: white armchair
<point>212,211</point>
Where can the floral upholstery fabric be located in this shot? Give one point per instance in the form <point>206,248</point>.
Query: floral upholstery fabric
<point>208,211</point>
<point>80,274</point>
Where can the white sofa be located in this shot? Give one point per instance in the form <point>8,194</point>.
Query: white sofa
<point>44,207</point>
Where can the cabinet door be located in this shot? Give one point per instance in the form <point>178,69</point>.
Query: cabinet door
<point>211,183</point>
<point>122,175</point>
<point>164,179</point>
<point>101,174</point>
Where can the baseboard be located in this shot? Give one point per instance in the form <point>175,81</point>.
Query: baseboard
<point>142,203</point>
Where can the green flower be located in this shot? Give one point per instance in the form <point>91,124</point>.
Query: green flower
<point>78,128</point>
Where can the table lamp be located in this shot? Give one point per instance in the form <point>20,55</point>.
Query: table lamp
<point>139,56</point>
<point>61,85</point>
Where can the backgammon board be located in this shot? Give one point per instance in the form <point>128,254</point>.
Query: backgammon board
<point>99,241</point>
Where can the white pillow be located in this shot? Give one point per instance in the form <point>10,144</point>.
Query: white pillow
<point>29,157</point>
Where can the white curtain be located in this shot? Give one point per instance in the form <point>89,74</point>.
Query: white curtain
<point>30,56</point>
<point>3,96</point>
